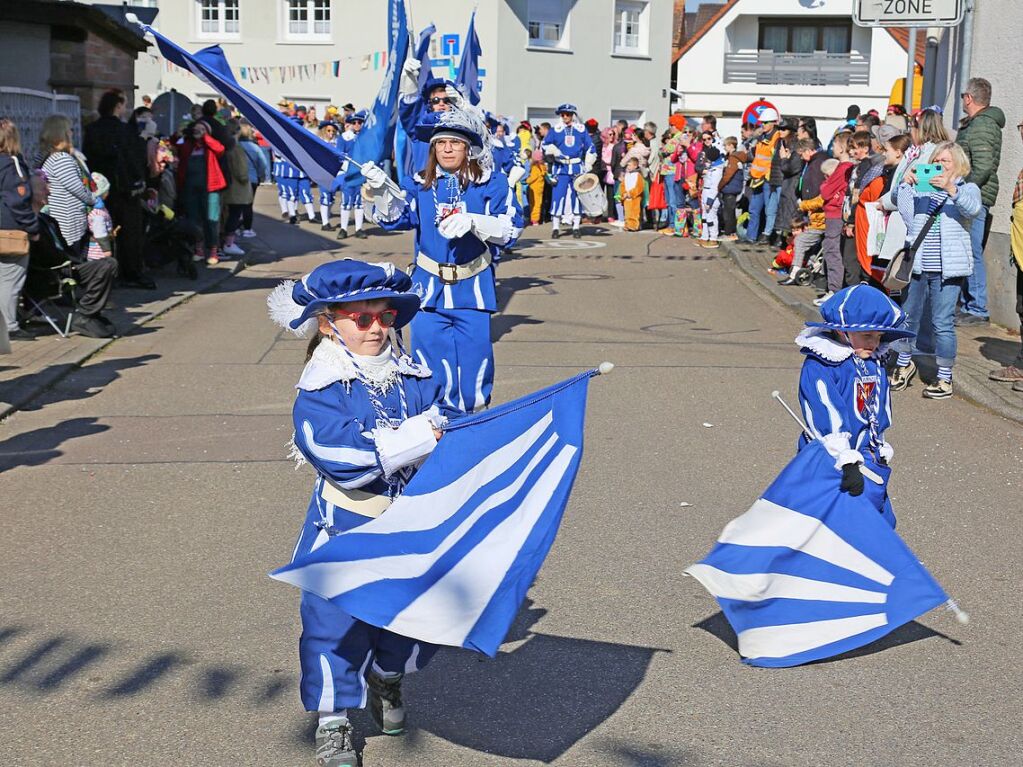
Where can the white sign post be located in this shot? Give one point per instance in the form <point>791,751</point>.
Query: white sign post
<point>908,13</point>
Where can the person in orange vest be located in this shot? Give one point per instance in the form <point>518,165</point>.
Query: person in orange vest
<point>763,197</point>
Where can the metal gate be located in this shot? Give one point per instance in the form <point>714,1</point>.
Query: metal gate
<point>29,108</point>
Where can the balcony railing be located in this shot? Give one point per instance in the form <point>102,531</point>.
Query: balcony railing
<point>817,68</point>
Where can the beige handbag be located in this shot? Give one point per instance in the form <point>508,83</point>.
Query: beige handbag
<point>13,242</point>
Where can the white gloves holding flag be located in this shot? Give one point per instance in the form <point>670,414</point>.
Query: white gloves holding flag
<point>375,176</point>
<point>495,229</point>
<point>409,87</point>
<point>387,203</point>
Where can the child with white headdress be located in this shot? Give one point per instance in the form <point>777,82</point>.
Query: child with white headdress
<point>366,416</point>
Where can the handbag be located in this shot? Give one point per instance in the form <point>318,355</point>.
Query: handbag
<point>658,201</point>
<point>900,268</point>
<point>13,242</point>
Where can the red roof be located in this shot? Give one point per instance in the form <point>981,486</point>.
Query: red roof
<point>901,35</point>
<point>704,27</point>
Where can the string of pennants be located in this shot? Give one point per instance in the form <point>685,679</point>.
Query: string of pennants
<point>288,72</point>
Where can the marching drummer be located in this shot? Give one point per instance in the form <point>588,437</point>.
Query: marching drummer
<point>572,153</point>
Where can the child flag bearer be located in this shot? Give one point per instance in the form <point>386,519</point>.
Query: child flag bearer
<point>365,417</point>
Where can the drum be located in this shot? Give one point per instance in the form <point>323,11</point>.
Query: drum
<point>591,194</point>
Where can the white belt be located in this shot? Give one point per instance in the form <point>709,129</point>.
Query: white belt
<point>451,273</point>
<point>356,501</point>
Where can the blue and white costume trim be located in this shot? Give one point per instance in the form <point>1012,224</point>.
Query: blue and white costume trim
<point>571,153</point>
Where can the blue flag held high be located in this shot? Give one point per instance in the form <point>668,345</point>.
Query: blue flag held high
<point>423,54</point>
<point>810,572</point>
<point>468,80</point>
<point>450,562</point>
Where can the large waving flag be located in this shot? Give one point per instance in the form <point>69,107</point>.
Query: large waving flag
<point>317,158</point>
<point>810,572</point>
<point>402,141</point>
<point>451,560</point>
<point>468,80</point>
<point>376,140</point>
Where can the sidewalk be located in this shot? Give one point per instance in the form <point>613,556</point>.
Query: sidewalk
<point>981,349</point>
<point>32,367</point>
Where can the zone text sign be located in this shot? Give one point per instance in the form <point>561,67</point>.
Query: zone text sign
<point>908,13</point>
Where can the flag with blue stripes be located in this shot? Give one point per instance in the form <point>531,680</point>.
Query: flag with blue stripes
<point>451,560</point>
<point>810,572</point>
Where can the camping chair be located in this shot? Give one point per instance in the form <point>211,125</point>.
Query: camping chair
<point>51,278</point>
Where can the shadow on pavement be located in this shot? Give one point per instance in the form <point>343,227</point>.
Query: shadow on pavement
<point>998,349</point>
<point>79,383</point>
<point>39,446</point>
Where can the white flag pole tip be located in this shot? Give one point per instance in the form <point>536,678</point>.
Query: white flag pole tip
<point>131,18</point>
<point>961,615</point>
<point>605,367</point>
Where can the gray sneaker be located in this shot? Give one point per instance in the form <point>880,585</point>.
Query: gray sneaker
<point>334,746</point>
<point>385,703</point>
<point>901,376</point>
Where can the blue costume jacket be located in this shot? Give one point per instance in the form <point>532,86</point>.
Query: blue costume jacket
<point>492,196</point>
<point>574,143</point>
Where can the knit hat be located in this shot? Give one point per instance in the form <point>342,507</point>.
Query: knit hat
<point>294,305</point>
<point>102,184</point>
<point>861,309</point>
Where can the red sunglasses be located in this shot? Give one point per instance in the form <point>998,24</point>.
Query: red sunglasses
<point>365,320</point>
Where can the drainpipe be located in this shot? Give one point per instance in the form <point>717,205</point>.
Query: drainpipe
<point>934,35</point>
<point>965,54</point>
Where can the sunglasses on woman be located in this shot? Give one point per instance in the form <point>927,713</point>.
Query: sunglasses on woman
<point>441,100</point>
<point>365,320</point>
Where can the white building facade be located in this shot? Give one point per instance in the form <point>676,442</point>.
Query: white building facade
<point>806,57</point>
<point>610,57</point>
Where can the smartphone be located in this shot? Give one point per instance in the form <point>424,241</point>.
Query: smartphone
<point>924,173</point>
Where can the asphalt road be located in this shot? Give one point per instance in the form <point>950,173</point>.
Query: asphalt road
<point>145,498</point>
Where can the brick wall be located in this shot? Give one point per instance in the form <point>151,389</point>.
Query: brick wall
<point>86,68</point>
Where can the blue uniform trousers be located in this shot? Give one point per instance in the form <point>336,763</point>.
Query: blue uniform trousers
<point>455,344</point>
<point>564,200</point>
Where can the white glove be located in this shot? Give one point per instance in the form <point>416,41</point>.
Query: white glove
<point>887,452</point>
<point>591,158</point>
<point>552,150</point>
<point>452,93</point>
<point>374,175</point>
<point>410,78</point>
<point>515,175</point>
<point>496,229</point>
<point>344,167</point>
<point>456,225</point>
<point>411,442</point>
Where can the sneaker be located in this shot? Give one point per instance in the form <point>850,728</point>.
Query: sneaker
<point>293,220</point>
<point>360,235</point>
<point>342,233</point>
<point>711,244</point>
<point>385,704</point>
<point>197,257</point>
<point>576,234</point>
<point>213,260</point>
<point>901,377</point>
<point>938,390</point>
<point>334,746</point>
<point>21,334</point>
<point>1009,374</point>
<point>246,233</point>
<point>669,230</point>
<point>820,301</point>
<point>327,227</point>
<point>555,234</point>
<point>730,237</point>
<point>232,250</point>
<point>967,320</point>
<point>789,280</point>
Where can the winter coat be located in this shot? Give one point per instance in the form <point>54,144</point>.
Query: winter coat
<point>115,150</point>
<point>731,179</point>
<point>259,168</point>
<point>215,180</point>
<point>16,195</point>
<point>953,225</point>
<point>239,191</point>
<point>788,204</point>
<point>833,190</point>
<point>980,137</point>
<point>913,157</point>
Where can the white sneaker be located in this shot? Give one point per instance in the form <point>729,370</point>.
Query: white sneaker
<point>820,301</point>
<point>248,233</point>
<point>232,250</point>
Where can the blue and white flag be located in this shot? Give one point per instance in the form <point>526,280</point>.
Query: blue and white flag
<point>376,139</point>
<point>402,141</point>
<point>810,572</point>
<point>451,560</point>
<point>423,54</point>
<point>468,80</point>
<point>320,161</point>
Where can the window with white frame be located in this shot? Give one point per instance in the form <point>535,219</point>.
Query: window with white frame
<point>547,23</point>
<point>631,25</point>
<point>218,18</point>
<point>308,19</point>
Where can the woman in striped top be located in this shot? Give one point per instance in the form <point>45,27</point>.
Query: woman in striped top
<point>942,262</point>
<point>70,189</point>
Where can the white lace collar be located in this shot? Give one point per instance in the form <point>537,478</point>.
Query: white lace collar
<point>330,364</point>
<point>560,127</point>
<point>823,344</point>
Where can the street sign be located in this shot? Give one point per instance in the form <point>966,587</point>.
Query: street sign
<point>752,113</point>
<point>908,13</point>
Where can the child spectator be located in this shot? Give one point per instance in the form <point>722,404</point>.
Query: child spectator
<point>630,195</point>
<point>536,181</point>
<point>710,197</point>
<point>808,191</point>
<point>866,185</point>
<point>101,226</point>
<point>833,188</point>
<point>731,188</point>
<point>783,263</point>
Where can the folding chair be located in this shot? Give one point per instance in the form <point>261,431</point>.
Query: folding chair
<point>51,279</point>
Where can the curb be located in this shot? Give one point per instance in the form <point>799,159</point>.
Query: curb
<point>54,374</point>
<point>967,385</point>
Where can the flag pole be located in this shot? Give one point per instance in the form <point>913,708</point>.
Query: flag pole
<point>806,430</point>
<point>411,26</point>
<point>390,184</point>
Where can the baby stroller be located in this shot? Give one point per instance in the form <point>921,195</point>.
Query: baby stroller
<point>812,272</point>
<point>170,238</point>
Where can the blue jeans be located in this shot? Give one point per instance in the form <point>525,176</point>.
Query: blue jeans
<point>943,296</point>
<point>762,201</point>
<point>771,209</point>
<point>975,290</point>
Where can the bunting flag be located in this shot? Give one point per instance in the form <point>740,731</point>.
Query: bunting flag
<point>452,559</point>
<point>468,79</point>
<point>810,572</point>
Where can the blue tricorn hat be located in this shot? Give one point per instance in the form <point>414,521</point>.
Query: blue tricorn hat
<point>339,282</point>
<point>435,82</point>
<point>567,108</point>
<point>361,116</point>
<point>862,309</point>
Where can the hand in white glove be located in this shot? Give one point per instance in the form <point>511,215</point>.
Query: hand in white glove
<point>344,167</point>
<point>456,225</point>
<point>410,79</point>
<point>412,67</point>
<point>552,150</point>
<point>374,175</point>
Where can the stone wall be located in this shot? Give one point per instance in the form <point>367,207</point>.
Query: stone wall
<point>86,64</point>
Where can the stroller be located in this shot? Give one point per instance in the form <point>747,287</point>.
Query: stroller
<point>169,238</point>
<point>812,271</point>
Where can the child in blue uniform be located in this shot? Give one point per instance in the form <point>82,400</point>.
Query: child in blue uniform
<point>365,417</point>
<point>843,387</point>
<point>463,212</point>
<point>571,151</point>
<point>351,189</point>
<point>328,131</point>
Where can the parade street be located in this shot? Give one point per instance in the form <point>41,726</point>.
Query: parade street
<point>148,494</point>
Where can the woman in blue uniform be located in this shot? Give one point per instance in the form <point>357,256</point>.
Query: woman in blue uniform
<point>365,417</point>
<point>463,213</point>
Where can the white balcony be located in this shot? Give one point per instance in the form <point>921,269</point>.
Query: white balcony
<point>817,68</point>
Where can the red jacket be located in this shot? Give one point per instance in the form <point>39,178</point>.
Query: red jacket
<point>833,190</point>
<point>215,180</point>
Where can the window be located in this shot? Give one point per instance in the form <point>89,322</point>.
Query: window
<point>630,27</point>
<point>219,18</point>
<point>308,19</point>
<point>800,36</point>
<point>547,24</point>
